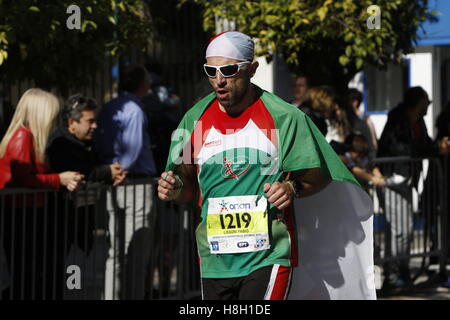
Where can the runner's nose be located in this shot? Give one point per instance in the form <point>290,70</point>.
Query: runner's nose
<point>220,80</point>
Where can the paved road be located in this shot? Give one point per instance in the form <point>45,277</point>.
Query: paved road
<point>426,287</point>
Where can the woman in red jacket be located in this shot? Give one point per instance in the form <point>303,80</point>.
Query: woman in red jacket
<point>22,159</point>
<point>25,220</point>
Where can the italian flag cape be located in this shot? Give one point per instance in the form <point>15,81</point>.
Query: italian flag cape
<point>334,227</point>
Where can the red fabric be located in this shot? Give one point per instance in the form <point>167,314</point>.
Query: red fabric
<point>5,172</point>
<point>289,219</point>
<point>217,35</point>
<point>20,168</point>
<point>281,285</point>
<point>226,124</point>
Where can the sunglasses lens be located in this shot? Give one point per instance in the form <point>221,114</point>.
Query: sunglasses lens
<point>229,70</point>
<point>210,71</point>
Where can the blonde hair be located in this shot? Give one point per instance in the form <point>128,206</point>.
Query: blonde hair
<point>37,110</point>
<point>323,100</point>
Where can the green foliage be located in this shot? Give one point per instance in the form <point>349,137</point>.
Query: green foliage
<point>36,45</point>
<point>329,40</point>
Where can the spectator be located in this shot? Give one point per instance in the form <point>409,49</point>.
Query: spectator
<point>300,89</point>
<point>167,96</point>
<point>22,149</point>
<point>443,123</point>
<point>163,109</point>
<point>443,130</point>
<point>357,121</point>
<point>23,164</point>
<point>355,98</point>
<point>321,105</point>
<point>70,148</point>
<point>357,160</point>
<point>404,134</point>
<point>123,138</point>
<point>312,108</point>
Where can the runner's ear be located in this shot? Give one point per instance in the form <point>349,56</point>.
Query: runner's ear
<point>253,66</point>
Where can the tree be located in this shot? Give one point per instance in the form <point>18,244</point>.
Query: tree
<point>330,41</point>
<point>41,41</point>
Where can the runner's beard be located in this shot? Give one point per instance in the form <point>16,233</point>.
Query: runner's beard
<point>233,99</point>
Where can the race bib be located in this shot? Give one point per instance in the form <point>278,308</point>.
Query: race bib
<point>237,224</point>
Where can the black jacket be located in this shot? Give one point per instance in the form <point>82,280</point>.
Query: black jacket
<point>67,153</point>
<point>400,139</point>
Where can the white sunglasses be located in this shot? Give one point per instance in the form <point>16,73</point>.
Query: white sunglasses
<point>227,70</point>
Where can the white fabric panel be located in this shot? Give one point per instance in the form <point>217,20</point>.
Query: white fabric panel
<point>335,230</point>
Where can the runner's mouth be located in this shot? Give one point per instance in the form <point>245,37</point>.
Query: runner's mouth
<point>222,93</point>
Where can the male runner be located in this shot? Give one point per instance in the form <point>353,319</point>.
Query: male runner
<point>244,153</point>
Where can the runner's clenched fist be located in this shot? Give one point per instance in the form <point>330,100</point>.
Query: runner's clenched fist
<point>169,186</point>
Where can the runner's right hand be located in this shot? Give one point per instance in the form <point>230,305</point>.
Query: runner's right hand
<point>168,186</point>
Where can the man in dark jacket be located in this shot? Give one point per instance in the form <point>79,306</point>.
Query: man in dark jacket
<point>70,146</point>
<point>405,133</point>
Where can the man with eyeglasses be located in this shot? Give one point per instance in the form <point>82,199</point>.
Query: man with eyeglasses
<point>244,154</point>
<point>71,145</point>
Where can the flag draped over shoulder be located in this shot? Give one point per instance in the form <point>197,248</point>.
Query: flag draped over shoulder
<point>334,227</point>
<point>335,245</point>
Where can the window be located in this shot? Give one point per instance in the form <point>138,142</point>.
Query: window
<point>384,88</point>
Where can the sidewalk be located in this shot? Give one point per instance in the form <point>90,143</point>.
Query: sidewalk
<point>422,291</point>
<point>426,287</point>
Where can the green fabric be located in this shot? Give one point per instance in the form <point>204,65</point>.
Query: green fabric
<point>184,130</point>
<point>301,144</point>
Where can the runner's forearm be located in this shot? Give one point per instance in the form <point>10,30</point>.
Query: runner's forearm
<point>310,182</point>
<point>188,191</point>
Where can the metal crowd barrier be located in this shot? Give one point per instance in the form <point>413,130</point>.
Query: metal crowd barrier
<point>410,214</point>
<point>100,242</point>
<point>106,242</point>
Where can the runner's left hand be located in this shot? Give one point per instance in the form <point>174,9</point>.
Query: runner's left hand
<point>280,194</point>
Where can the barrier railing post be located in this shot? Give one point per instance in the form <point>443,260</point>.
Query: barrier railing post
<point>444,192</point>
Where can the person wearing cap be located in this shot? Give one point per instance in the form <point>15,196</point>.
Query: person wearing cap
<point>243,154</point>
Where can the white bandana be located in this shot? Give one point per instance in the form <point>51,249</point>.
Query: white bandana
<point>231,44</point>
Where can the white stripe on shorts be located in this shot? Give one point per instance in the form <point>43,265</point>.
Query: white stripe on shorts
<point>273,277</point>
